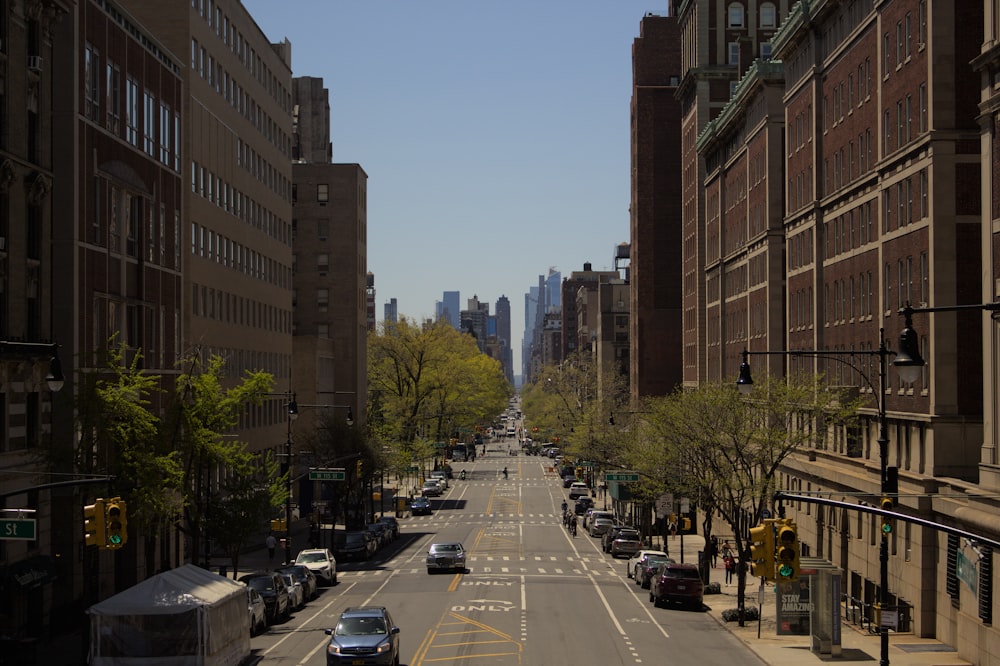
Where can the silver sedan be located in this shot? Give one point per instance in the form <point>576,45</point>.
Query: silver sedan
<point>448,556</point>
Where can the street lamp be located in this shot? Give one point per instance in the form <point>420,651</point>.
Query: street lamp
<point>293,413</point>
<point>887,485</point>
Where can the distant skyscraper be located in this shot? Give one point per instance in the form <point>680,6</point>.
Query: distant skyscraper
<point>553,289</point>
<point>391,311</point>
<point>503,333</point>
<point>451,309</point>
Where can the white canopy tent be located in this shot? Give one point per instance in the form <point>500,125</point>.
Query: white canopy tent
<point>183,617</point>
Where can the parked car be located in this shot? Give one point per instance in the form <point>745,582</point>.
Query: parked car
<point>258,611</point>
<point>578,489</point>
<point>609,535</point>
<point>420,506</point>
<point>380,534</point>
<point>676,582</point>
<point>568,480</point>
<point>648,569</point>
<point>296,593</point>
<point>305,577</point>
<point>274,592</point>
<point>639,558</point>
<point>626,543</point>
<point>431,488</point>
<point>363,635</point>
<point>352,545</point>
<point>449,556</point>
<point>599,526</point>
<point>594,514</point>
<point>582,504</point>
<point>321,562</point>
<point>392,525</point>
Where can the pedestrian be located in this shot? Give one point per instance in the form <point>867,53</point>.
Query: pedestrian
<point>713,550</point>
<point>730,567</point>
<point>271,544</point>
<point>726,549</point>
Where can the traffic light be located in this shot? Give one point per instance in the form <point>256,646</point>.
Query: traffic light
<point>93,523</point>
<point>685,524</point>
<point>762,550</point>
<point>787,553</point>
<point>360,468</point>
<point>886,504</point>
<point>114,523</point>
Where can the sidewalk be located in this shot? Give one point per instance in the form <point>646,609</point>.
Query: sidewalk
<point>857,645</point>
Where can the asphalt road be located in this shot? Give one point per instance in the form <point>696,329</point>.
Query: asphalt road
<point>532,593</point>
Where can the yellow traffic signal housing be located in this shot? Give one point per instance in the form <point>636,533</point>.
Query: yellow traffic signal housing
<point>685,524</point>
<point>277,524</point>
<point>93,523</point>
<point>886,504</point>
<point>360,468</point>
<point>787,553</point>
<point>115,522</point>
<point>762,550</point>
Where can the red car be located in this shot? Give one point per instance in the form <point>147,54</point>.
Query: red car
<point>676,582</point>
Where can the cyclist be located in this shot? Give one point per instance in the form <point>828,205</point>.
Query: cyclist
<point>572,526</point>
<point>505,473</point>
<point>564,507</point>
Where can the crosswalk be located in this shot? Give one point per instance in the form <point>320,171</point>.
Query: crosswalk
<point>537,565</point>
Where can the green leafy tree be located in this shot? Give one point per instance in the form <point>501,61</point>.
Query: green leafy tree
<point>724,449</point>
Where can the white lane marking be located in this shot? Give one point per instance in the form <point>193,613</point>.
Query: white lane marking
<point>322,610</point>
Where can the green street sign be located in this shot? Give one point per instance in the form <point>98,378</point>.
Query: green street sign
<point>18,530</point>
<point>628,477</point>
<point>336,474</point>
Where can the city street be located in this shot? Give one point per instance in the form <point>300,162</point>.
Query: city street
<point>532,593</point>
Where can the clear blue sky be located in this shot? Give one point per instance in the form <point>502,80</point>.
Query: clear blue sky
<point>495,135</point>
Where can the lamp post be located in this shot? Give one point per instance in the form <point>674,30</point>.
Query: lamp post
<point>293,413</point>
<point>887,486</point>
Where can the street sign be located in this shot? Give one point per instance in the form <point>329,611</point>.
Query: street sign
<point>664,504</point>
<point>621,476</point>
<point>18,530</point>
<point>334,474</point>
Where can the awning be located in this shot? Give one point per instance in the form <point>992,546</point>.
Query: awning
<point>32,572</point>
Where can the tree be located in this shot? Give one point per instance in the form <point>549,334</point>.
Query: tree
<point>202,412</point>
<point>429,381</point>
<point>725,449</point>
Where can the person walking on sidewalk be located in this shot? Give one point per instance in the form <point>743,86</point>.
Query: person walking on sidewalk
<point>713,550</point>
<point>271,544</point>
<point>730,565</point>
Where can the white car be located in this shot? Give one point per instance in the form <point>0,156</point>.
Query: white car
<point>577,490</point>
<point>639,559</point>
<point>440,476</point>
<point>321,562</point>
<point>431,488</point>
<point>296,595</point>
<point>258,613</point>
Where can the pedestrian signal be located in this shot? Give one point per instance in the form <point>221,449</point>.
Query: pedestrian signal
<point>787,553</point>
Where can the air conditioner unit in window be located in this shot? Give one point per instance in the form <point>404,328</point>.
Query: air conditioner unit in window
<point>35,63</point>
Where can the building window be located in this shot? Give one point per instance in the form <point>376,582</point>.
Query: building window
<point>114,98</point>
<point>132,111</point>
<point>322,192</point>
<point>91,92</point>
<point>734,54</point>
<point>886,64</point>
<point>768,15</point>
<point>921,23</point>
<point>924,278</point>
<point>922,101</point>
<point>736,17</point>
<point>765,50</point>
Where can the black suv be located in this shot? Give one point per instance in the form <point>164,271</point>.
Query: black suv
<point>364,635</point>
<point>352,545</point>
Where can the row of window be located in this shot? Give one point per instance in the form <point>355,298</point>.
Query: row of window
<point>217,77</point>
<point>800,309</point>
<point>842,100</point>
<point>767,15</point>
<point>159,134</point>
<point>136,226</point>
<point>212,187</point>
<point>904,120</point>
<point>849,230</point>
<point>226,252</point>
<point>141,327</point>
<point>222,306</point>
<point>226,31</point>
<point>849,162</point>
<point>904,39</point>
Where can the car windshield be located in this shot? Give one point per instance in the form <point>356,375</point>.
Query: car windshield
<point>654,562</point>
<point>691,574</point>
<point>311,557</point>
<point>628,535</point>
<point>355,537</point>
<point>445,548</point>
<point>263,583</point>
<point>360,626</point>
